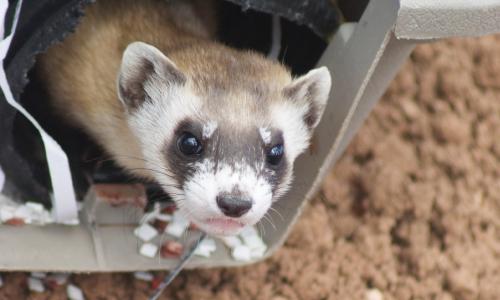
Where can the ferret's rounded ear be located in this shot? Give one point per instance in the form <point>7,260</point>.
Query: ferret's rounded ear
<point>143,68</point>
<point>311,92</point>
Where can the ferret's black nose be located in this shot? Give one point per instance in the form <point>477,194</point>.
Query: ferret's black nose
<point>233,206</point>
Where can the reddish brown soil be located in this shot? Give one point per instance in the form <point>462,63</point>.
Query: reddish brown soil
<point>412,208</point>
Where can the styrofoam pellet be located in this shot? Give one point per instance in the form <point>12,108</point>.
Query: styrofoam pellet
<point>22,212</point>
<point>39,275</point>
<point>30,212</point>
<point>241,253</point>
<point>253,241</point>
<point>178,225</point>
<point>231,241</point>
<point>374,294</point>
<point>248,231</point>
<point>206,247</point>
<point>35,207</point>
<point>144,276</point>
<point>164,217</point>
<point>148,250</point>
<point>208,244</point>
<point>204,252</point>
<point>74,293</point>
<point>145,232</point>
<point>6,214</point>
<point>36,285</point>
<point>175,229</point>
<point>43,218</point>
<point>258,252</point>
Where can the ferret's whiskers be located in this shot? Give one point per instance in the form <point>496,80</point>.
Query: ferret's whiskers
<point>268,218</point>
<point>261,228</point>
<point>152,170</point>
<point>283,208</point>
<point>147,161</point>
<point>272,209</point>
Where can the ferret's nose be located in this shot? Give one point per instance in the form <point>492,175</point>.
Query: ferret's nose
<point>233,206</point>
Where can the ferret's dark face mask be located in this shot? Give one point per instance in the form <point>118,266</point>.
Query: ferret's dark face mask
<point>229,176</point>
<point>224,159</point>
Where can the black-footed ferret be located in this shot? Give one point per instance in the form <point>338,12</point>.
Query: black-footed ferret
<point>218,129</point>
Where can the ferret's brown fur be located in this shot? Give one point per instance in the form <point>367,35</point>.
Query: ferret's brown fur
<point>81,73</point>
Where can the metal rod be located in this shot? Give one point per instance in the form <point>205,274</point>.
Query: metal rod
<point>184,259</point>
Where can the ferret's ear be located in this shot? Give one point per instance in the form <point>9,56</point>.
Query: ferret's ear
<point>311,91</point>
<point>144,66</point>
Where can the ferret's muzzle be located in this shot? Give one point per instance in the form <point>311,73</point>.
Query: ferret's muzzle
<point>233,206</point>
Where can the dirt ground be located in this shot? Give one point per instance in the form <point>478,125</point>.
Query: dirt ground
<point>412,209</point>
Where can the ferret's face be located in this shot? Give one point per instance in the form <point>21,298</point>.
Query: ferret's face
<point>224,154</point>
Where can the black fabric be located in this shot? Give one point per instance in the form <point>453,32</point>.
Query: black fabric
<point>322,16</point>
<point>41,23</point>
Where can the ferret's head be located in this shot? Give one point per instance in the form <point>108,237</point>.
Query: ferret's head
<point>219,129</point>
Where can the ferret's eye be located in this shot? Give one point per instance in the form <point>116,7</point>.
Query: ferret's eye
<point>188,144</point>
<point>275,154</point>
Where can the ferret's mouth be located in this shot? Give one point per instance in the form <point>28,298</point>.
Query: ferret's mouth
<point>221,226</point>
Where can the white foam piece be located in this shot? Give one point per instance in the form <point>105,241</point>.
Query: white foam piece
<point>204,252</point>
<point>258,252</point>
<point>231,241</point>
<point>206,247</point>
<point>253,241</point>
<point>164,217</point>
<point>144,276</point>
<point>241,253</point>
<point>35,207</point>
<point>374,294</point>
<point>74,293</point>
<point>248,231</point>
<point>175,229</point>
<point>145,232</point>
<point>178,225</point>
<point>36,285</point>
<point>148,250</point>
<point>44,217</point>
<point>39,275</point>
<point>208,244</point>
<point>6,214</point>
<point>24,213</point>
<point>30,213</point>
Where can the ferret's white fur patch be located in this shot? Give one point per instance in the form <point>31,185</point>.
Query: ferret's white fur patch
<point>290,119</point>
<point>154,124</point>
<point>265,134</point>
<point>209,129</point>
<point>203,187</point>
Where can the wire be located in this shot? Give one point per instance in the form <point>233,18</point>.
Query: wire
<point>182,263</point>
